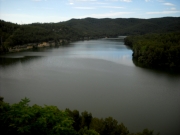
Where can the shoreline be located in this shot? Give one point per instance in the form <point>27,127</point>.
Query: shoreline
<point>61,42</point>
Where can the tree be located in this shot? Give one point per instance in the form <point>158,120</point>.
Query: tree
<point>76,118</point>
<point>86,119</point>
<point>85,131</point>
<point>156,50</point>
<point>21,118</point>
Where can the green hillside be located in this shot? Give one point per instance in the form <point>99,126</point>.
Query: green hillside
<point>121,26</point>
<point>77,29</point>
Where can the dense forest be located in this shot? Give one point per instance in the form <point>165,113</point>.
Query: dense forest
<point>156,50</point>
<point>23,119</point>
<point>13,34</point>
<point>121,26</point>
<point>77,29</point>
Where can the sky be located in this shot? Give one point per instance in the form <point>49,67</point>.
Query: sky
<point>31,11</point>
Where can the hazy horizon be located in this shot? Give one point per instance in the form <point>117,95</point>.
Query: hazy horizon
<point>86,18</point>
<point>46,11</point>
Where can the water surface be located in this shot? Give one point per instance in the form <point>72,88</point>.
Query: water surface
<point>98,76</point>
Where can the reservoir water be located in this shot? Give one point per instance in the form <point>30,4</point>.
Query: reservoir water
<point>98,76</point>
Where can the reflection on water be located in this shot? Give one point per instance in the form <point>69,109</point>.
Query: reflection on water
<point>105,49</point>
<point>9,60</point>
<point>112,49</point>
<point>98,76</point>
<point>169,72</point>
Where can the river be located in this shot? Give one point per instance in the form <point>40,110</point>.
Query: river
<point>98,76</point>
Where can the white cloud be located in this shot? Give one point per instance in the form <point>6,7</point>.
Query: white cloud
<point>111,0</point>
<point>120,0</point>
<point>168,4</point>
<point>86,8</point>
<point>160,0</point>
<point>115,7</point>
<point>126,0</point>
<point>86,0</point>
<point>137,9</point>
<point>37,0</point>
<point>47,8</point>
<point>100,3</point>
<point>71,2</point>
<point>163,12</point>
<point>173,8</point>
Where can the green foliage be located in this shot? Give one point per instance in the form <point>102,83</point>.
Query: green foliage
<point>85,124</point>
<point>21,118</point>
<point>156,50</point>
<point>108,126</point>
<point>86,131</point>
<point>91,27</point>
<point>146,132</point>
<point>29,34</point>
<point>16,35</point>
<point>80,121</point>
<point>76,117</point>
<point>7,29</point>
<point>98,125</point>
<point>76,29</point>
<point>86,119</point>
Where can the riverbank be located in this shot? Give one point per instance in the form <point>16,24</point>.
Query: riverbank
<point>37,45</point>
<point>60,42</point>
<point>160,51</point>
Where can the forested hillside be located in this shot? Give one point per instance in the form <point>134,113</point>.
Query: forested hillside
<point>121,26</point>
<point>13,34</point>
<point>7,29</point>
<point>156,50</point>
<point>78,29</point>
<point>23,119</point>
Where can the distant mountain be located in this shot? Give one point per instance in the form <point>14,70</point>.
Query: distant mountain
<point>121,26</point>
<point>76,29</point>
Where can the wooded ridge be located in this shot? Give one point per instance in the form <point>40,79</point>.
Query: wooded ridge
<point>79,29</point>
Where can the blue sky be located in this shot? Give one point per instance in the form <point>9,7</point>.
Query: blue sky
<point>29,11</point>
